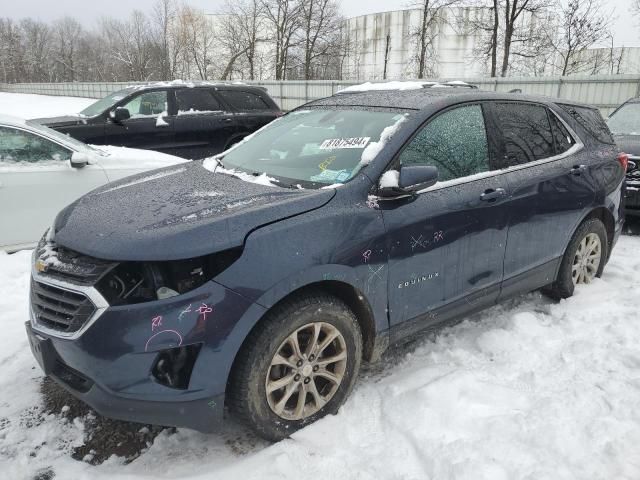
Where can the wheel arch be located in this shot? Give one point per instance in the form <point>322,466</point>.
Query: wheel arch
<point>606,217</point>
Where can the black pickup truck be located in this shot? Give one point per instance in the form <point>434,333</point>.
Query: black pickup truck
<point>188,119</point>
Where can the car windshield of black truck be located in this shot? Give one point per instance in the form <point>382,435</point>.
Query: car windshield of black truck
<point>316,147</point>
<point>626,121</point>
<point>105,103</point>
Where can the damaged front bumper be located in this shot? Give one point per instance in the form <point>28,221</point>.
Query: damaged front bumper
<point>163,362</point>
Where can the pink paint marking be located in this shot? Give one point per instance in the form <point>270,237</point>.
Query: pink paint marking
<point>146,347</point>
<point>438,236</point>
<point>203,310</point>
<point>156,322</point>
<point>366,255</point>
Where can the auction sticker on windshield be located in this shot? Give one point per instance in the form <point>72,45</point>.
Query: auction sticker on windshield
<point>354,142</point>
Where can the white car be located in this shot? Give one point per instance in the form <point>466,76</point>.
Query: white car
<point>42,171</point>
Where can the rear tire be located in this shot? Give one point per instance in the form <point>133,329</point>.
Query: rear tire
<point>298,365</point>
<point>583,260</point>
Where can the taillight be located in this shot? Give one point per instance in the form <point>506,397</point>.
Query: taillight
<point>623,158</point>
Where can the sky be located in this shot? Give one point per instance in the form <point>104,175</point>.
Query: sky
<point>625,28</point>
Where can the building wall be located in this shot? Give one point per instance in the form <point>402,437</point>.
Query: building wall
<point>452,56</point>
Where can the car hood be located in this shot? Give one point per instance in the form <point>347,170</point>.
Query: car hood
<point>177,212</point>
<point>65,121</point>
<point>133,158</point>
<point>628,144</point>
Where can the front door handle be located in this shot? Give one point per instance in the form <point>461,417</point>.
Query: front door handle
<point>493,194</point>
<point>227,120</point>
<point>578,170</point>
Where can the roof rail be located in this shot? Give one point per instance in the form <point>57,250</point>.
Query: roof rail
<point>403,85</point>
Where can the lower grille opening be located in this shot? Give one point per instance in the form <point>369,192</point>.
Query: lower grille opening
<point>70,377</point>
<point>173,366</point>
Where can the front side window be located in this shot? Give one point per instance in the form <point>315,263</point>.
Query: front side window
<point>191,100</point>
<point>147,104</point>
<point>316,147</point>
<point>244,101</point>
<point>455,142</point>
<point>526,132</point>
<point>20,146</point>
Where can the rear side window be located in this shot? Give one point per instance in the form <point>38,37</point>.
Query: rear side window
<point>244,101</point>
<point>455,142</point>
<point>563,139</point>
<point>526,132</point>
<point>196,100</point>
<point>591,120</point>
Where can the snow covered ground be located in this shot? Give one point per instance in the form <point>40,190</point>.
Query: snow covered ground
<point>37,106</point>
<point>531,389</point>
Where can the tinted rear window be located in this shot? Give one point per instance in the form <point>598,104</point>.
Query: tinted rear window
<point>562,137</point>
<point>526,132</point>
<point>591,120</point>
<point>244,101</point>
<point>196,100</point>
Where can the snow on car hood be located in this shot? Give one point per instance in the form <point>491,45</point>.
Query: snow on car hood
<point>125,157</point>
<point>178,212</point>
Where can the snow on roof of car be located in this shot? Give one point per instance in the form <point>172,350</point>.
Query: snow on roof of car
<point>12,120</point>
<point>403,85</point>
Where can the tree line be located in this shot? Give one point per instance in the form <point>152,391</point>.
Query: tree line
<point>297,39</point>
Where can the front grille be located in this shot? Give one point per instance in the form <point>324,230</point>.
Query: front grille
<point>60,309</point>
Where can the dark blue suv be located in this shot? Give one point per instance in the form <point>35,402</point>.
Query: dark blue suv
<point>258,280</point>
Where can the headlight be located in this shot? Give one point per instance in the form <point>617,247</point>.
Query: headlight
<point>137,282</point>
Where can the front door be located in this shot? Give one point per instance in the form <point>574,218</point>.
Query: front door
<point>446,245</point>
<point>150,126</point>
<point>36,182</point>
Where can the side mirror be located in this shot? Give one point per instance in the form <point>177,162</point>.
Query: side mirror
<point>408,181</point>
<point>79,160</point>
<point>120,114</point>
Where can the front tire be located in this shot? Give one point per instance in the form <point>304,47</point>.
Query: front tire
<point>298,365</point>
<point>583,260</point>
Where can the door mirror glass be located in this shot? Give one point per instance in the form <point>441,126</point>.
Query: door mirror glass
<point>408,181</point>
<point>120,114</point>
<point>79,160</point>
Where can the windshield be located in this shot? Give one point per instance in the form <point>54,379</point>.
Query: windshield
<point>104,103</point>
<point>316,147</point>
<point>62,138</point>
<point>626,121</point>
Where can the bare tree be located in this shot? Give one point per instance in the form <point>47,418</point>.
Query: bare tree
<point>283,17</point>
<point>583,24</point>
<point>432,17</point>
<point>240,31</point>
<point>320,28</point>
<point>67,32</point>
<point>163,15</point>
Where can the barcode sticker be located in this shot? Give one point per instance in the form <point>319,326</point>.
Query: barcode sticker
<point>354,142</point>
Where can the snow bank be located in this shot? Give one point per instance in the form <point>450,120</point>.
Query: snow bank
<point>35,106</point>
<point>531,389</point>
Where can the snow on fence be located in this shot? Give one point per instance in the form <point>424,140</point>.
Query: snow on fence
<point>604,91</point>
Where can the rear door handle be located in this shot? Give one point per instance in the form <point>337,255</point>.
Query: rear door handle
<point>578,170</point>
<point>493,194</point>
<point>227,120</point>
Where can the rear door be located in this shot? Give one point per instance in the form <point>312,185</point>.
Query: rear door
<point>446,245</point>
<point>253,111</point>
<point>36,182</point>
<point>150,126</point>
<point>551,187</point>
<point>203,126</point>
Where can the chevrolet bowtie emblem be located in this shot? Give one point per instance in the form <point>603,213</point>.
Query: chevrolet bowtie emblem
<point>41,266</point>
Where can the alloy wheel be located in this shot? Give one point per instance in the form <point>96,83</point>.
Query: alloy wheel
<point>306,371</point>
<point>587,259</point>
